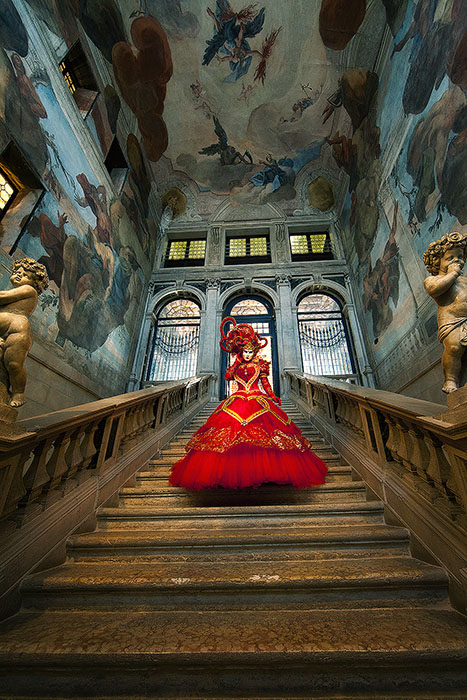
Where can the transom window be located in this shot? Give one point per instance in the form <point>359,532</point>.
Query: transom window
<point>185,253</point>
<point>249,307</point>
<point>7,192</point>
<point>247,249</point>
<point>173,342</point>
<point>311,246</point>
<point>324,339</point>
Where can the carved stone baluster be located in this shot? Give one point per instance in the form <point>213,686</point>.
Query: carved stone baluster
<point>57,465</point>
<point>392,443</point>
<point>88,447</point>
<point>420,455</point>
<point>404,446</point>
<point>37,475</point>
<point>438,468</point>
<point>11,482</point>
<point>73,455</point>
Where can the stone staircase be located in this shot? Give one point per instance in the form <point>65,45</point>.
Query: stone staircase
<point>260,593</point>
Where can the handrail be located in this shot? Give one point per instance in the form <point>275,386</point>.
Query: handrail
<point>406,451</point>
<point>60,449</point>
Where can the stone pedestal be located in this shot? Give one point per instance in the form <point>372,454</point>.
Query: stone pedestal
<point>457,407</point>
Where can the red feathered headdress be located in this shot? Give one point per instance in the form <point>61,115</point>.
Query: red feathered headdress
<point>240,336</point>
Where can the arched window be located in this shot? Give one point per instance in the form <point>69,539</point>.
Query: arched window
<point>173,343</point>
<point>259,313</point>
<point>324,339</point>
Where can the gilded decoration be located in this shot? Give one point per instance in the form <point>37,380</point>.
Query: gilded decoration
<point>222,439</point>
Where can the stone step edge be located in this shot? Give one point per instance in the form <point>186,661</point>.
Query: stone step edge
<point>330,487</point>
<point>137,539</point>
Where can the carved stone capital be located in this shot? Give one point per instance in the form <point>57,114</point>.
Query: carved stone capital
<point>283,279</point>
<point>213,283</point>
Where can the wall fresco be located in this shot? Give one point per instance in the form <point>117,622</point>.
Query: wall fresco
<point>97,243</point>
<point>423,95</point>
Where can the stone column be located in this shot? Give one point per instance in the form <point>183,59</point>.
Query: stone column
<point>208,347</point>
<point>361,357</point>
<point>287,331</point>
<point>138,360</point>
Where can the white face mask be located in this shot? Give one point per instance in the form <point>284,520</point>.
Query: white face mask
<point>248,355</point>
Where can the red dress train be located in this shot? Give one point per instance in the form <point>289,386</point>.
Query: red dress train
<point>248,441</point>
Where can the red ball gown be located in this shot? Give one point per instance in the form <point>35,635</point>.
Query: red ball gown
<point>248,441</point>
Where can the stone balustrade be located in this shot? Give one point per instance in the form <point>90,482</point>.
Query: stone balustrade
<point>58,468</point>
<point>410,455</point>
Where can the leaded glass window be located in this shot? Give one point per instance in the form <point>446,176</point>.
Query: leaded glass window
<point>248,307</point>
<point>311,246</point>
<point>247,250</point>
<point>68,77</point>
<point>185,253</point>
<point>324,339</point>
<point>174,342</point>
<point>7,192</point>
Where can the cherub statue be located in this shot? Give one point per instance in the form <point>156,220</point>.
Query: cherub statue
<point>445,259</point>
<point>29,278</point>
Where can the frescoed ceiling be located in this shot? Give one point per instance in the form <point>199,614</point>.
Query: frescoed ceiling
<point>250,84</point>
<point>234,99</point>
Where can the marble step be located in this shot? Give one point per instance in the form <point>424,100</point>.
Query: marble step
<point>345,583</point>
<point>337,492</point>
<point>228,515</point>
<point>241,543</point>
<point>162,653</point>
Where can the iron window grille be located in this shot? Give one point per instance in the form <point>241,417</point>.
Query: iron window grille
<point>173,342</point>
<point>241,250</point>
<point>185,253</point>
<point>324,337</point>
<point>311,246</point>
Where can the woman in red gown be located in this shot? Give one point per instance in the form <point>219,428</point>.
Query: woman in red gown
<point>247,440</point>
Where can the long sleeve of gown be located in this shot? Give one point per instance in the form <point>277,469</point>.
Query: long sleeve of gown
<point>232,369</point>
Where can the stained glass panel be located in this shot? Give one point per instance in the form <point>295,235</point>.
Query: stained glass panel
<point>177,250</point>
<point>258,246</point>
<point>6,191</point>
<point>237,247</point>
<point>299,245</point>
<point>197,249</point>
<point>317,242</point>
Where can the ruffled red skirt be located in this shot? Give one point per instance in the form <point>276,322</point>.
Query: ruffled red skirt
<point>234,453</point>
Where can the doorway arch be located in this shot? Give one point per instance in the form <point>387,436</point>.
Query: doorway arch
<point>259,313</point>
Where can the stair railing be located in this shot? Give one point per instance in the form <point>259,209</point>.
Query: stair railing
<point>58,468</point>
<point>411,457</point>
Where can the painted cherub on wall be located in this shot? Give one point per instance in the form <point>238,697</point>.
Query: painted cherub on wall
<point>229,43</point>
<point>444,260</point>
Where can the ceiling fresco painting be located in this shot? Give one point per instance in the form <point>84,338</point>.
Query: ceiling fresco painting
<point>252,101</point>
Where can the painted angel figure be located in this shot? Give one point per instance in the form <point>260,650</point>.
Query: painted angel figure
<point>228,154</point>
<point>229,43</point>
